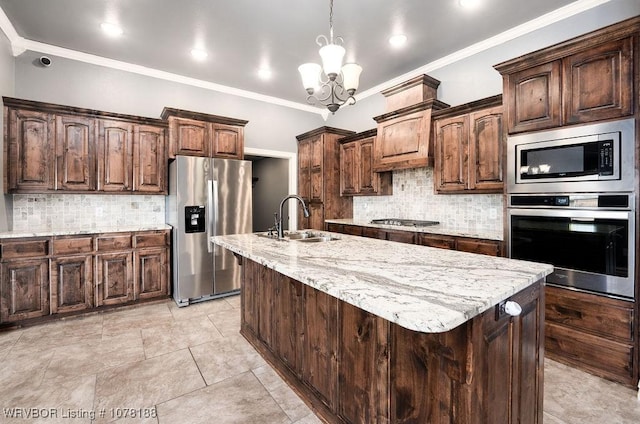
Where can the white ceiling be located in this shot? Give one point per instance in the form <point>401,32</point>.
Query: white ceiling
<point>242,35</point>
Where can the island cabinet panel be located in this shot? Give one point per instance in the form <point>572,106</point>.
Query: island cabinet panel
<point>363,366</point>
<point>320,363</point>
<point>356,367</point>
<point>30,150</point>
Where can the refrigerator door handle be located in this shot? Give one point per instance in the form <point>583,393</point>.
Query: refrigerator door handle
<point>210,218</point>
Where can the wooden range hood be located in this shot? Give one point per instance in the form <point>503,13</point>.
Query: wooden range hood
<point>404,139</point>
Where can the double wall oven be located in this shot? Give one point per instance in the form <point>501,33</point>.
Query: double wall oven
<point>571,203</point>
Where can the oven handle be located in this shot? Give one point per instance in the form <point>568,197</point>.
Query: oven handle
<point>572,213</point>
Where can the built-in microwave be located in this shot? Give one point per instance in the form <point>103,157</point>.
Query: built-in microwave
<point>590,158</point>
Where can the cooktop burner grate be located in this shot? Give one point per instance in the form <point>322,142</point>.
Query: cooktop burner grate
<point>404,222</point>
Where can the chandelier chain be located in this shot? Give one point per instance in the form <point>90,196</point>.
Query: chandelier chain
<point>331,20</point>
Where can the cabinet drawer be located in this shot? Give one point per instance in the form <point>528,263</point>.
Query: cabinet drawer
<point>401,236</point>
<point>113,242</point>
<point>71,245</point>
<point>150,239</point>
<point>442,242</point>
<point>610,318</point>
<point>477,246</point>
<point>24,249</point>
<point>374,233</point>
<point>598,355</point>
<point>354,230</point>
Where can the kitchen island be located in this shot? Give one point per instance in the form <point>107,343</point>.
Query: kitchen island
<point>372,331</point>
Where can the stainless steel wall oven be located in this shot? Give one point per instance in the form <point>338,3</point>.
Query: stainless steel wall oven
<point>576,209</point>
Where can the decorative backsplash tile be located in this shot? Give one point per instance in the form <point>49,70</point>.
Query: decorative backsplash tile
<point>73,211</point>
<point>414,198</point>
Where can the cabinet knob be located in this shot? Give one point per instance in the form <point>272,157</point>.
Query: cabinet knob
<point>512,308</point>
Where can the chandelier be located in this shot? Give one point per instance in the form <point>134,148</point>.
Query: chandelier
<point>339,83</point>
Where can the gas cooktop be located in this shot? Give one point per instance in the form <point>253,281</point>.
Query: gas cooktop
<point>404,222</point>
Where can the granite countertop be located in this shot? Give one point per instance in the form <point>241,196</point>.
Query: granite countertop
<point>420,288</point>
<point>48,232</point>
<point>431,229</point>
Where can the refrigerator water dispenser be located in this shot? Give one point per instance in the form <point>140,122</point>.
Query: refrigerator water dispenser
<point>194,219</point>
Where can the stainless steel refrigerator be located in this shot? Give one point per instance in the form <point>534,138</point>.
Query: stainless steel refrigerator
<point>207,197</point>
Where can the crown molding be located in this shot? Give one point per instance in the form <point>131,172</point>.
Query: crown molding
<point>557,15</point>
<point>19,45</point>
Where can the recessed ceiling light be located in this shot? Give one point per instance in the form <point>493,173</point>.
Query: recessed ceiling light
<point>469,4</point>
<point>199,54</point>
<point>264,73</point>
<point>111,29</point>
<point>398,40</point>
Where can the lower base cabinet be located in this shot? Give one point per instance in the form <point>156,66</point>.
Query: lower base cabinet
<point>591,332</point>
<point>67,274</point>
<point>355,367</point>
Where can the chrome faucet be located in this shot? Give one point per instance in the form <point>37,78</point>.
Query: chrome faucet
<point>305,211</point>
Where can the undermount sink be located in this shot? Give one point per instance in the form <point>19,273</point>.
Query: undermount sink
<point>302,236</point>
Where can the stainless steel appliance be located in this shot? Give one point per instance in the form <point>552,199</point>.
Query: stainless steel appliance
<point>571,203</point>
<point>590,158</point>
<point>207,197</point>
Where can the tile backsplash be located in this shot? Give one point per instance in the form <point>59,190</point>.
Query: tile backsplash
<point>74,211</point>
<point>414,198</point>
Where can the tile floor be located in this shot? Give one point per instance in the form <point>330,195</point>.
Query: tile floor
<point>190,365</point>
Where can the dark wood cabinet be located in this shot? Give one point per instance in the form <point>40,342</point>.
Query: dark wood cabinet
<point>585,79</point>
<point>70,274</point>
<point>356,167</point>
<point>591,332</point>
<point>69,149</point>
<point>115,156</point>
<point>75,153</point>
<point>319,177</point>
<point>469,145</point>
<point>355,367</point>
<point>29,150</point>
<point>149,160</point>
<point>202,134</point>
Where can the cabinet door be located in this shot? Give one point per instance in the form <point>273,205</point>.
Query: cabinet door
<point>316,216</point>
<point>485,150</point>
<point>31,153</point>
<point>227,141</point>
<point>368,181</point>
<point>288,332</point>
<point>115,156</point>
<point>349,169</point>
<point>304,167</point>
<point>150,273</point>
<point>316,162</point>
<point>533,98</point>
<point>451,154</point>
<point>114,278</point>
<point>71,283</point>
<point>189,137</point>
<point>24,289</point>
<point>598,83</point>
<point>149,160</point>
<point>514,393</point>
<point>75,153</point>
<point>321,344</point>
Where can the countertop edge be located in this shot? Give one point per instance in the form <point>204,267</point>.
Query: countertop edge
<point>84,231</point>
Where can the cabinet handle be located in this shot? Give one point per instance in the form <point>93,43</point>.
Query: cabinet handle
<point>512,308</point>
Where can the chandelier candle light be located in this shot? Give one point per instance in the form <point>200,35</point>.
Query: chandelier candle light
<point>339,83</point>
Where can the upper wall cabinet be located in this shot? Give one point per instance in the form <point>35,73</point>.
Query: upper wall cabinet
<point>468,152</point>
<point>65,149</point>
<point>589,78</point>
<point>357,177</point>
<point>201,134</point>
<point>403,139</point>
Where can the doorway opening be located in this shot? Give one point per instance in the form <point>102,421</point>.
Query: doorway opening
<point>274,177</point>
